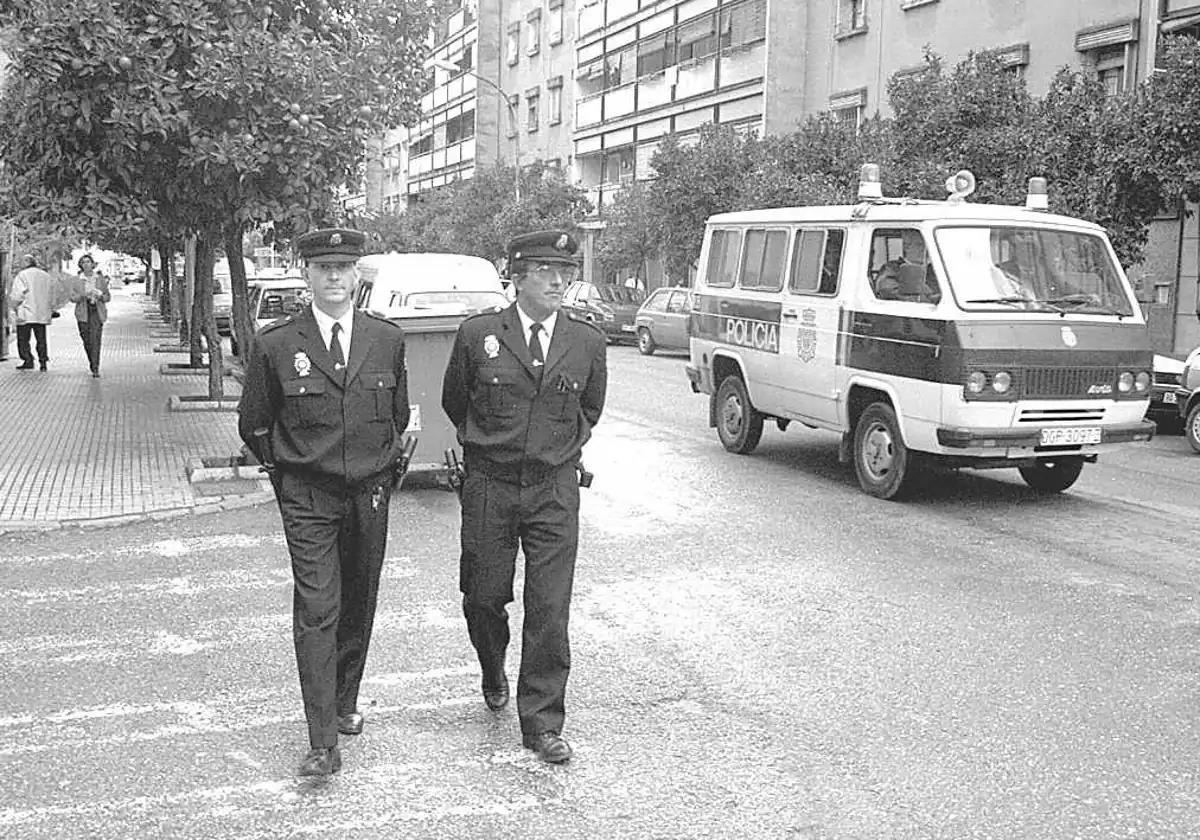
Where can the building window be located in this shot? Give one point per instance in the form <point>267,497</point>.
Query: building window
<point>514,102</point>
<point>618,166</point>
<point>655,53</point>
<point>1110,69</point>
<point>849,106</point>
<point>554,103</point>
<point>512,46</point>
<point>696,39</point>
<point>1109,51</point>
<point>554,22</point>
<point>460,128</point>
<point>421,146</point>
<point>1014,59</point>
<point>851,17</point>
<point>466,61</point>
<point>535,32</point>
<point>744,24</point>
<point>532,97</point>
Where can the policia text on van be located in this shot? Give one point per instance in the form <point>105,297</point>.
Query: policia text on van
<point>944,333</point>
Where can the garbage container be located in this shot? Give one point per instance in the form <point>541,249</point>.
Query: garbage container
<point>428,342</point>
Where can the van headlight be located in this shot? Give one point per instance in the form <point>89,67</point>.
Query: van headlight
<point>1001,382</point>
<point>1125,382</point>
<point>1142,383</point>
<point>976,382</point>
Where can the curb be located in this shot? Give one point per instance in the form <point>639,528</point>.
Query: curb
<point>198,470</point>
<point>178,403</point>
<point>215,504</point>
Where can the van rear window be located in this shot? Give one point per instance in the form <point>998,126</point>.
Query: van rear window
<point>723,253</point>
<point>764,259</point>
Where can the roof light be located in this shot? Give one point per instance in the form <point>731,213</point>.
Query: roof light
<point>869,187</point>
<point>1036,198</point>
<point>960,185</point>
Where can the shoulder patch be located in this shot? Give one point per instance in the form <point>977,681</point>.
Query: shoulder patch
<point>491,310</point>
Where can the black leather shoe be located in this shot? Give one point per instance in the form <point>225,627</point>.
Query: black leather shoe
<point>550,747</point>
<point>495,692</point>
<point>321,761</point>
<point>42,367</point>
<point>25,366</point>
<point>350,724</point>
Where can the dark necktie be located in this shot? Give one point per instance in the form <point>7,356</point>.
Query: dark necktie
<point>335,348</point>
<point>535,345</point>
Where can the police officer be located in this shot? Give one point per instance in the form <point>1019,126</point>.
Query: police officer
<point>324,406</point>
<point>524,387</point>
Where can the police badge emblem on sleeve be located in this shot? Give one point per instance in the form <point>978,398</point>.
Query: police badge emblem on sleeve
<point>491,346</point>
<point>302,363</point>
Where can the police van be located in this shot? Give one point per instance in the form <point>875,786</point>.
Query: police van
<point>928,333</point>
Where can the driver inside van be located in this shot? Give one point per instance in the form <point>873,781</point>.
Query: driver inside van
<point>909,275</point>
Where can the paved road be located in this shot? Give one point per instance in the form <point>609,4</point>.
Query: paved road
<point>760,650</point>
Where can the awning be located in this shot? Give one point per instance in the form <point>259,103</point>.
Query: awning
<point>1183,22</point>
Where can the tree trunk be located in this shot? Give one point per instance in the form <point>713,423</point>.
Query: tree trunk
<point>202,314</point>
<point>243,330</point>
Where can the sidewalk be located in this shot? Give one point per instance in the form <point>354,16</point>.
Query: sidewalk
<point>79,450</point>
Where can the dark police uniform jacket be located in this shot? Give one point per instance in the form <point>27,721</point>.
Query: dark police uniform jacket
<point>509,423</point>
<point>337,429</point>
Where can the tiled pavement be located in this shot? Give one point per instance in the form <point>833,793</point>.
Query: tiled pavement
<point>79,450</point>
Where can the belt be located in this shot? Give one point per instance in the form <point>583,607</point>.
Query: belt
<point>523,473</point>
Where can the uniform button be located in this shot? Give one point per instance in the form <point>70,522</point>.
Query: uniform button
<point>495,380</point>
<point>302,390</point>
<point>380,383</point>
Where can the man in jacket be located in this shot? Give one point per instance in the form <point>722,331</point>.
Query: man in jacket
<point>524,387</point>
<point>34,298</point>
<point>324,407</point>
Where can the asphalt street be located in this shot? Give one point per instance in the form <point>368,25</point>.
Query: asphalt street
<point>759,650</point>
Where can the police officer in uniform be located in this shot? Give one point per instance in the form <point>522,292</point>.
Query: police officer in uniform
<point>324,407</point>
<point>524,387</point>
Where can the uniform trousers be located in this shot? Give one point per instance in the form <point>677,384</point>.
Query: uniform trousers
<point>337,542</point>
<point>38,331</point>
<point>91,331</point>
<point>543,520</point>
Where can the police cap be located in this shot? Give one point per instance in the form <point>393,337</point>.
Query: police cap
<point>331,245</point>
<point>544,246</point>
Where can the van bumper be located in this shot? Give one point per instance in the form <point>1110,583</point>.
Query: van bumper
<point>955,437</point>
<point>695,378</point>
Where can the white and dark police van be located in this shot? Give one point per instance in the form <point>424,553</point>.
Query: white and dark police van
<point>939,334</point>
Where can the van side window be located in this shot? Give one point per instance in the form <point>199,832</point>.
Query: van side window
<point>763,260</point>
<point>816,261</point>
<point>900,268</point>
<point>723,257</point>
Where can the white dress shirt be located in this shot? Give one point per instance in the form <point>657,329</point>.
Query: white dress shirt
<point>544,335</point>
<point>325,325</point>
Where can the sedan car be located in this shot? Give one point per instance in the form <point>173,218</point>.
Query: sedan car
<point>1164,401</point>
<point>272,299</point>
<point>610,307</point>
<point>662,321</point>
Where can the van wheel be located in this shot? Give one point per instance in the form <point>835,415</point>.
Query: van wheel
<point>1192,428</point>
<point>1052,475</point>
<point>882,462</point>
<point>739,424</point>
<point>645,342</point>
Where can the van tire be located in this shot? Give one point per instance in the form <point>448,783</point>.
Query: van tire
<point>882,462</point>
<point>739,424</point>
<point>1191,429</point>
<point>645,342</point>
<point>1052,475</point>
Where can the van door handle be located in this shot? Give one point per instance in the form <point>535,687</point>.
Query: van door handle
<point>724,304</point>
<point>790,314</point>
<point>863,323</point>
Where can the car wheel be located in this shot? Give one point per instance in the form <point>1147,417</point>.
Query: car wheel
<point>645,342</point>
<point>1053,475</point>
<point>882,462</point>
<point>739,424</point>
<point>1191,429</point>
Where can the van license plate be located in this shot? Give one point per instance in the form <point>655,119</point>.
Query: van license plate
<point>1169,399</point>
<point>627,328</point>
<point>1070,437</point>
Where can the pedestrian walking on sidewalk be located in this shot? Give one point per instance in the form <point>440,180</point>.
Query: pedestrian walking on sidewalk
<point>524,387</point>
<point>34,299</point>
<point>89,291</point>
<point>324,407</point>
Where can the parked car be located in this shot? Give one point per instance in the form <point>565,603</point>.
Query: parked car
<point>223,295</point>
<point>662,320</point>
<point>1187,397</point>
<point>272,299</point>
<point>1164,387</point>
<point>611,308</point>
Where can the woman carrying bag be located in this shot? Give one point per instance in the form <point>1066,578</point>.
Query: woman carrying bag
<point>89,291</point>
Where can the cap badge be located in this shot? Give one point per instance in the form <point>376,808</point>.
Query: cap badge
<point>302,363</point>
<point>491,346</point>
<point>561,242</point>
<point>335,239</point>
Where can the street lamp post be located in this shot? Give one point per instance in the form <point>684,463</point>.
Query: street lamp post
<point>451,67</point>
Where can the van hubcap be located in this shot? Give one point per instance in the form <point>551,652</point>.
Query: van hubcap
<point>732,415</point>
<point>879,452</point>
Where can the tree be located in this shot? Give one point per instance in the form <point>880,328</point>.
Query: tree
<point>478,216</point>
<point>201,116</point>
<point>632,232</point>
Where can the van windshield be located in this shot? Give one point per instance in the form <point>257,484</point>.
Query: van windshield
<point>1032,269</point>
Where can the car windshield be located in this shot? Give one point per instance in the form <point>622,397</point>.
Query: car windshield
<point>620,295</point>
<point>449,301</point>
<point>1033,269</point>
